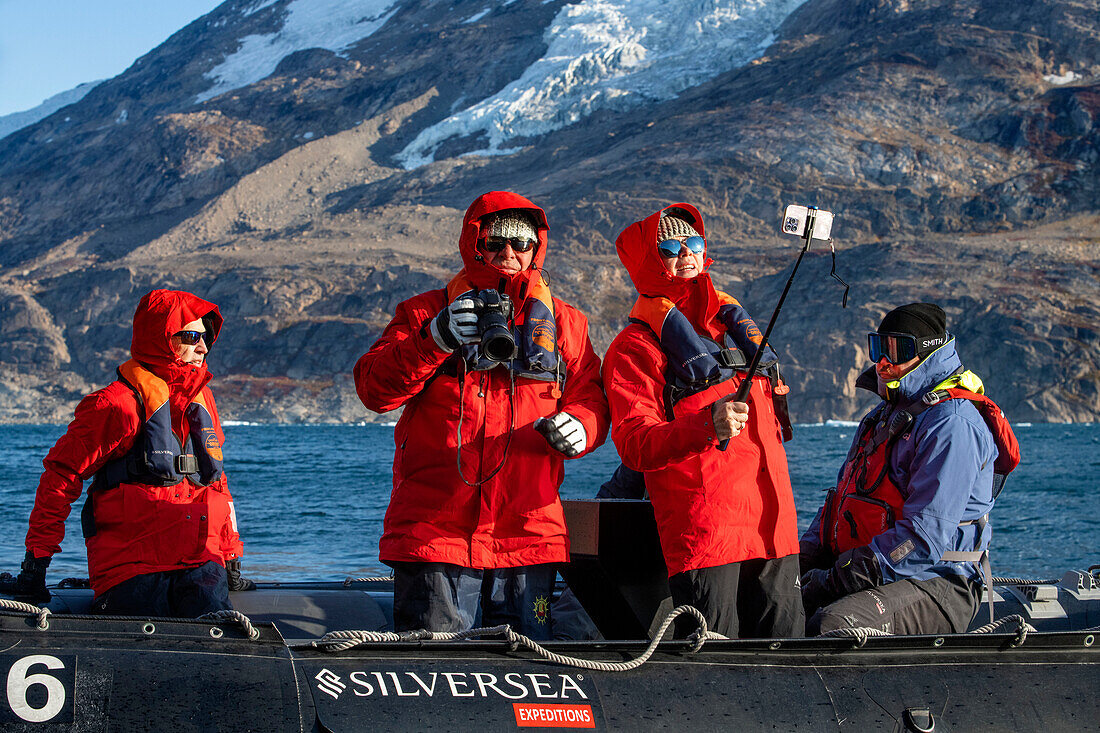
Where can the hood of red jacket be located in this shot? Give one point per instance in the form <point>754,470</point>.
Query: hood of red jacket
<point>161,313</point>
<point>483,275</point>
<point>637,248</point>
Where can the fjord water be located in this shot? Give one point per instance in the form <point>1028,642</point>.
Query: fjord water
<point>310,498</point>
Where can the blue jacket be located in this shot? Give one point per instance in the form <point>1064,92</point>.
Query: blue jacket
<point>943,467</point>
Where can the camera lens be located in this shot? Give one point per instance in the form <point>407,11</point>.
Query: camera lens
<point>497,342</point>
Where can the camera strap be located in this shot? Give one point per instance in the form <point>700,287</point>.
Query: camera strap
<point>458,430</point>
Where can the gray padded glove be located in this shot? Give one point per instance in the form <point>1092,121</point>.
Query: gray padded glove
<point>456,324</point>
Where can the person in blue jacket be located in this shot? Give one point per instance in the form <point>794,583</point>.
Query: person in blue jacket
<point>900,542</point>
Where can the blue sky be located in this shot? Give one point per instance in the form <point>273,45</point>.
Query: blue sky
<point>50,46</point>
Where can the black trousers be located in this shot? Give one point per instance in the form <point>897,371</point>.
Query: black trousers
<point>752,599</point>
<point>186,593</point>
<point>936,606</point>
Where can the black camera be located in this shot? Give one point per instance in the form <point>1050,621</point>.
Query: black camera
<point>494,311</point>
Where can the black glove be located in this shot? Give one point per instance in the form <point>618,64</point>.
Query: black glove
<point>30,584</point>
<point>855,570</point>
<point>233,576</point>
<point>817,590</point>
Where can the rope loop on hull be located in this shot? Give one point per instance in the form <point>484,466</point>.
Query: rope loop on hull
<point>28,608</point>
<point>236,617</point>
<point>338,641</point>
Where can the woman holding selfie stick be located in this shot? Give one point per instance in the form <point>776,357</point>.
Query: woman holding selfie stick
<point>726,519</point>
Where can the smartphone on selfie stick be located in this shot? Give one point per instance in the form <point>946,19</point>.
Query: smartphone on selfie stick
<point>809,223</point>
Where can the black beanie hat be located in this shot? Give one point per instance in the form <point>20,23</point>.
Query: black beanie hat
<point>925,321</point>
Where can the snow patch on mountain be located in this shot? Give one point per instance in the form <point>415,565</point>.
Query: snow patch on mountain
<point>257,6</point>
<point>612,54</point>
<point>331,24</point>
<point>477,16</point>
<point>19,120</point>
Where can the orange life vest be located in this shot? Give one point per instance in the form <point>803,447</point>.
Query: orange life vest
<point>867,502</point>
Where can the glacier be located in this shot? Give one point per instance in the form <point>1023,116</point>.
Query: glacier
<point>330,24</point>
<point>611,54</point>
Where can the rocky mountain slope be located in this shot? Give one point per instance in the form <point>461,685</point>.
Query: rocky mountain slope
<point>957,141</point>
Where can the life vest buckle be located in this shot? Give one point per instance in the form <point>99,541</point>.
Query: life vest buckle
<point>187,464</point>
<point>731,358</point>
<point>934,397</point>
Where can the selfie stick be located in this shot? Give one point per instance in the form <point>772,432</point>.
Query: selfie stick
<point>746,384</point>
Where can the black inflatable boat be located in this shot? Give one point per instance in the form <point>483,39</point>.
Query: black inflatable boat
<point>322,657</point>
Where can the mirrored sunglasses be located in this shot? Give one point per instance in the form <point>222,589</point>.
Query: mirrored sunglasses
<point>898,348</point>
<point>671,247</point>
<point>189,337</point>
<point>496,244</point>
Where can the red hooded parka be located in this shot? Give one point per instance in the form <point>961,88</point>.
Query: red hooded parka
<point>140,528</point>
<point>510,518</point>
<point>712,507</point>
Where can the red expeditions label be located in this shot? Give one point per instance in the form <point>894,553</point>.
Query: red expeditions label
<point>533,715</point>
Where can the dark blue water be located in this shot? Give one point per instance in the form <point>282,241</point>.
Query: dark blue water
<point>310,499</point>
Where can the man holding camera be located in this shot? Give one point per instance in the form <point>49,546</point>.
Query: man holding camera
<point>500,384</point>
<point>898,544</point>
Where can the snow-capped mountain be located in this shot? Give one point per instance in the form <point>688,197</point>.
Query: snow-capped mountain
<point>18,120</point>
<point>305,164</point>
<point>599,54</point>
<point>334,25</point>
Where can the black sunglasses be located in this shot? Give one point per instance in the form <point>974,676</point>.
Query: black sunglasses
<point>496,244</point>
<point>189,337</point>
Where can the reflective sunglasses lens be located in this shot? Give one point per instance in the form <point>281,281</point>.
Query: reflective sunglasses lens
<point>669,248</point>
<point>522,245</point>
<point>696,244</point>
<point>874,346</point>
<point>897,348</point>
<point>906,349</point>
<point>190,337</point>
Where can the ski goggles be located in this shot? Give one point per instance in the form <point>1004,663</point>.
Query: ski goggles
<point>189,338</point>
<point>898,348</point>
<point>670,248</point>
<point>518,244</point>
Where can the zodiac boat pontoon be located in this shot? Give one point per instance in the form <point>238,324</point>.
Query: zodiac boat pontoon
<point>322,657</point>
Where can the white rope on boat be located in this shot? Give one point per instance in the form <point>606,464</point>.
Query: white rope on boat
<point>862,633</point>
<point>859,633</point>
<point>1020,622</point>
<point>374,579</point>
<point>28,608</point>
<point>232,616</point>
<point>337,641</point>
<point>41,613</point>
<point>1022,628</point>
